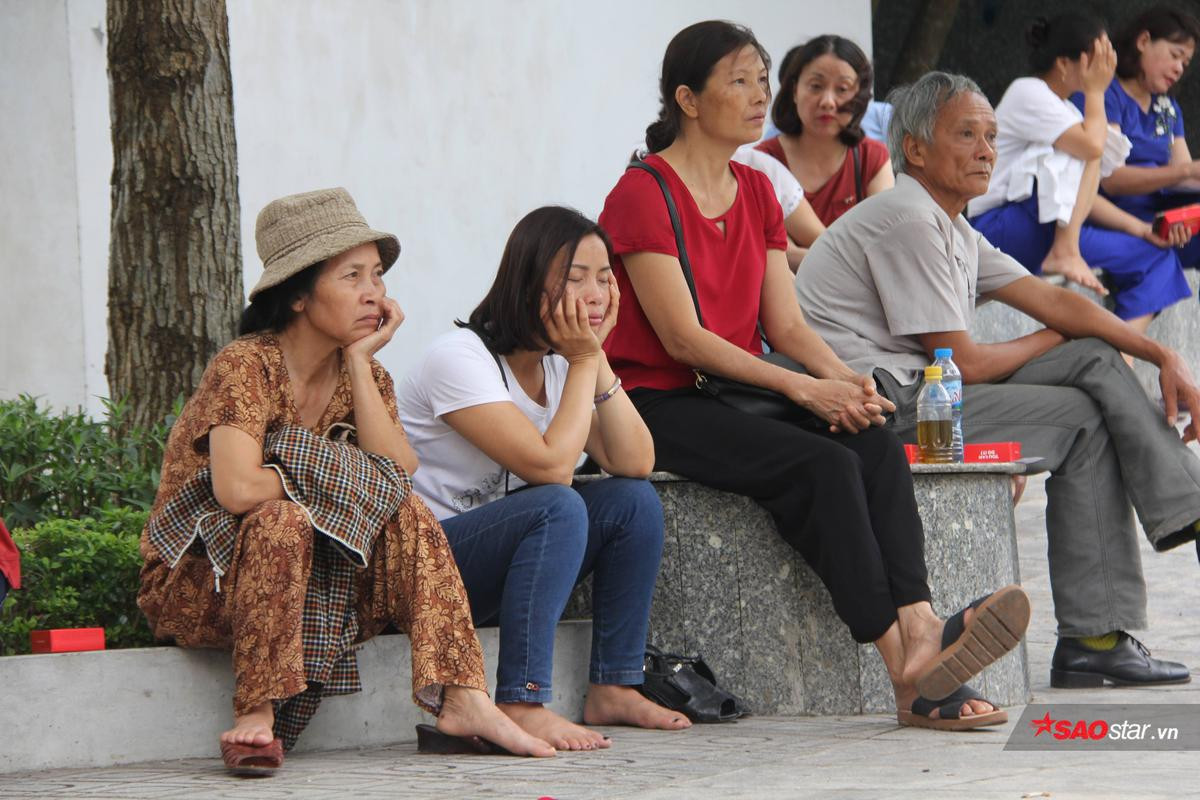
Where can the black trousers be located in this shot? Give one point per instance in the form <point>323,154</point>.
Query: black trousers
<point>844,501</point>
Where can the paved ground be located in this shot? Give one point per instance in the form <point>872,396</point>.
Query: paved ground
<point>824,757</point>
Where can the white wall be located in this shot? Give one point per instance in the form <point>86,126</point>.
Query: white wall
<point>41,338</point>
<point>446,119</point>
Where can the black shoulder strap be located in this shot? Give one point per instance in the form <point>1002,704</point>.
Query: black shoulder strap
<point>858,187</point>
<point>503,377</point>
<point>684,262</point>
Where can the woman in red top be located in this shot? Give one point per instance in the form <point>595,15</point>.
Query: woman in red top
<point>824,88</point>
<point>836,483</point>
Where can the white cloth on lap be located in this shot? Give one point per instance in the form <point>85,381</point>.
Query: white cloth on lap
<point>1030,118</point>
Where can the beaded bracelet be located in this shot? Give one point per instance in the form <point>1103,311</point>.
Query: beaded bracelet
<point>600,398</point>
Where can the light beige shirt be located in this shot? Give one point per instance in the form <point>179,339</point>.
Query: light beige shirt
<point>892,267</point>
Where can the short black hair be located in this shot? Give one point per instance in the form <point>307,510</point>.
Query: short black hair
<point>689,60</point>
<point>1161,22</point>
<point>271,309</point>
<point>784,113</point>
<point>509,318</point>
<point>1069,35</point>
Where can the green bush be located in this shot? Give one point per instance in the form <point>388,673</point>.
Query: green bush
<point>78,573</point>
<point>66,465</point>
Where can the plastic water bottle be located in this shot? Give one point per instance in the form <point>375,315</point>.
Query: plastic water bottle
<point>952,380</point>
<point>935,420</point>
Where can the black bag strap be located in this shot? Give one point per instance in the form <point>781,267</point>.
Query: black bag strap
<point>673,212</point>
<point>858,187</point>
<point>487,344</point>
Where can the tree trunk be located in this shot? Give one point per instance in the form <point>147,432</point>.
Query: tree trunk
<point>175,260</point>
<point>926,37</point>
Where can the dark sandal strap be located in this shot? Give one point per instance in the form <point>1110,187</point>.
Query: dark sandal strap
<point>956,624</point>
<point>948,707</point>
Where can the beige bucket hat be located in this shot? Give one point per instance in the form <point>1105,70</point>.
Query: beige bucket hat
<point>297,231</point>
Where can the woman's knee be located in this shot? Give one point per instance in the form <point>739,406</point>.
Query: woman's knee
<point>561,513</point>
<point>281,523</point>
<point>636,503</point>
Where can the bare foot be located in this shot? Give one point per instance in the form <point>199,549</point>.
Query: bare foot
<point>1072,267</point>
<point>624,705</point>
<point>922,635</point>
<point>470,712</point>
<point>255,728</point>
<point>543,723</point>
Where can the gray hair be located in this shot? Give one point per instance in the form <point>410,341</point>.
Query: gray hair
<point>915,109</point>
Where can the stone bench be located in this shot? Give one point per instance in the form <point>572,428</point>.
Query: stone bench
<point>730,589</point>
<point>124,706</point>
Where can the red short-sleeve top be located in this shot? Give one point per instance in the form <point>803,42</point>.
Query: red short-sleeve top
<point>728,265</point>
<point>837,196</point>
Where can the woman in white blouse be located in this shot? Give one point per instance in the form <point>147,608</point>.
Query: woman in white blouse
<point>1042,206</point>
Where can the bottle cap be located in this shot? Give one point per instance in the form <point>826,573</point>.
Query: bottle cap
<point>944,352</point>
<point>933,373</point>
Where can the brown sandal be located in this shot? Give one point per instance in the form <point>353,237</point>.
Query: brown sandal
<point>249,760</point>
<point>967,647</point>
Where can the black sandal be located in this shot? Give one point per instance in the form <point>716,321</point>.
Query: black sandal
<point>686,684</point>
<point>431,740</point>
<point>949,710</point>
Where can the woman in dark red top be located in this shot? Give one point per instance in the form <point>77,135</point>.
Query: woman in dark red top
<point>836,483</point>
<point>824,88</point>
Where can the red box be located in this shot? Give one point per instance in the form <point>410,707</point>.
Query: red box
<point>993,452</point>
<point>998,452</point>
<point>1188,215</point>
<point>67,640</point>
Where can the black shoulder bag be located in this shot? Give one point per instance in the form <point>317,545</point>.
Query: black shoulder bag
<point>735,394</point>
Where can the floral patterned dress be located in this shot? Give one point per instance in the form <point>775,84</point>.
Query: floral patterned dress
<point>411,580</point>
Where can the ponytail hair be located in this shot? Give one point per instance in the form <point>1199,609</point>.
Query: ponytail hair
<point>689,60</point>
<point>1067,35</point>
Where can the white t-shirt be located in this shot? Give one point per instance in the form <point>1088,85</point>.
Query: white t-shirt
<point>458,372</point>
<point>1030,118</point>
<point>788,190</point>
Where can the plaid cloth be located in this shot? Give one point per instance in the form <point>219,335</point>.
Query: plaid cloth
<point>348,495</point>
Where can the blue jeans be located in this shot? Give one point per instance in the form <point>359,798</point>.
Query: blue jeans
<point>521,556</point>
<point>3,588</point>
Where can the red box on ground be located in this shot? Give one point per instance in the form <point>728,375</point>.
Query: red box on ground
<point>997,452</point>
<point>67,640</point>
<point>1188,215</point>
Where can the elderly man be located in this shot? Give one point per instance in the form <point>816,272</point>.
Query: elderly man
<point>900,275</point>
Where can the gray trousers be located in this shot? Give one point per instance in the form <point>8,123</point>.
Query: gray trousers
<point>1081,409</point>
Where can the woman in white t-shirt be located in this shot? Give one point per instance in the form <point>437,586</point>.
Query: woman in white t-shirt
<point>515,398</point>
<point>1042,207</point>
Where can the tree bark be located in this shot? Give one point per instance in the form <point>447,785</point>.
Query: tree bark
<point>926,37</point>
<point>175,260</point>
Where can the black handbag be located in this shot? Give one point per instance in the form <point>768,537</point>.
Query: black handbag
<point>735,394</point>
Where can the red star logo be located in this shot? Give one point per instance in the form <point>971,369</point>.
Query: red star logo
<point>1042,725</point>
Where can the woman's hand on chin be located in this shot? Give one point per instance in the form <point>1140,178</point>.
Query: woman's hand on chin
<point>569,331</point>
<point>366,347</point>
<point>610,314</point>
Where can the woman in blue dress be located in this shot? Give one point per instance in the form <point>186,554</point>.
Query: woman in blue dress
<point>1042,206</point>
<point>1153,52</point>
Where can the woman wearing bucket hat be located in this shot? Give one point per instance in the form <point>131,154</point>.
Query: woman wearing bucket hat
<point>502,411</point>
<point>259,523</point>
